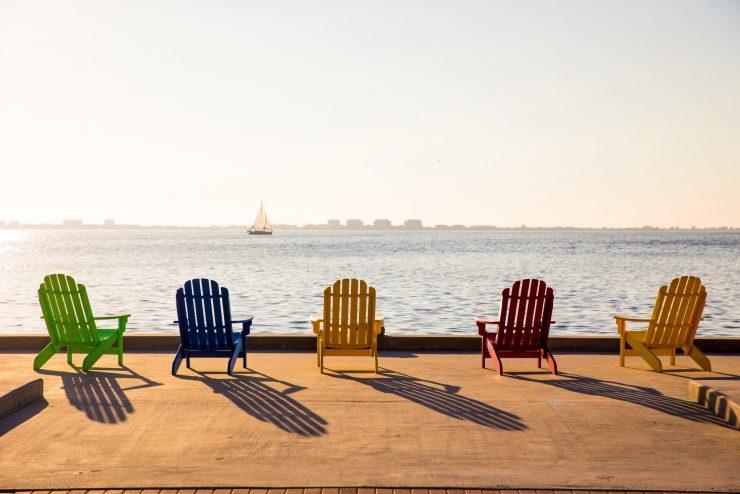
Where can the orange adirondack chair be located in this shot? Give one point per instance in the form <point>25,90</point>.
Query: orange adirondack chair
<point>349,326</point>
<point>523,326</point>
<point>673,325</point>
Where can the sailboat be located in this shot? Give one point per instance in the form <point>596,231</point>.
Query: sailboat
<point>261,225</point>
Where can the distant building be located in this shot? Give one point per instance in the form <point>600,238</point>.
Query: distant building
<point>441,227</point>
<point>109,222</point>
<point>14,224</point>
<point>2,224</point>
<point>72,223</point>
<point>355,224</point>
<point>333,224</point>
<point>382,224</point>
<point>412,224</point>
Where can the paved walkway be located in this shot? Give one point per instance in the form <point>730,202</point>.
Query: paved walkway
<point>428,420</point>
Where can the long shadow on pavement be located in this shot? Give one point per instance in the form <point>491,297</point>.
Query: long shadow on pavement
<point>639,395</point>
<point>267,399</point>
<point>442,398</point>
<point>99,394</point>
<point>18,417</point>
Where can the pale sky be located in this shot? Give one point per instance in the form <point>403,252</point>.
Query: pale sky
<point>594,113</point>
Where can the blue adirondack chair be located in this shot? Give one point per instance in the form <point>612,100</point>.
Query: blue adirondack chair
<point>204,318</point>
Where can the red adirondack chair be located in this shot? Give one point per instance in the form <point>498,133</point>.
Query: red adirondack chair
<point>523,326</point>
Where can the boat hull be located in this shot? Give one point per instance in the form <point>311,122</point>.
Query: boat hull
<point>259,232</point>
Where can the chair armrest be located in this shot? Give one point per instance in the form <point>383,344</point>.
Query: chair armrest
<point>484,320</point>
<point>629,318</point>
<point>379,325</point>
<point>246,324</point>
<point>316,323</point>
<point>120,316</point>
<point>481,322</point>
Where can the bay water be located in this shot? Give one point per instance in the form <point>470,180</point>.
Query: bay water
<point>427,282</point>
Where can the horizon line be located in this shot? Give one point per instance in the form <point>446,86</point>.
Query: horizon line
<point>79,224</point>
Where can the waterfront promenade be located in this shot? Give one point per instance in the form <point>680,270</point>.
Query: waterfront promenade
<point>430,420</point>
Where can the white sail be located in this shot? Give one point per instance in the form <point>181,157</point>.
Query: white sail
<point>261,223</point>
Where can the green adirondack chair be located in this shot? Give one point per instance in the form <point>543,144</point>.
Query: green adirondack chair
<point>71,324</point>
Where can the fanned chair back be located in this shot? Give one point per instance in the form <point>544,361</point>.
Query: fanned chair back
<point>204,316</point>
<point>677,312</point>
<point>526,310</point>
<point>349,314</point>
<point>66,311</point>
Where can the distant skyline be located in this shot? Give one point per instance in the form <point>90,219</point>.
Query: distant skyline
<point>573,113</point>
<point>335,224</point>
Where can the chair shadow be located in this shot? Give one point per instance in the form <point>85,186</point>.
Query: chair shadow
<point>259,395</point>
<point>687,374</point>
<point>18,417</point>
<point>98,392</point>
<point>442,398</point>
<point>639,395</point>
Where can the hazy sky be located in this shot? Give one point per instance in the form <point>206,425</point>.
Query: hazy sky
<point>507,113</point>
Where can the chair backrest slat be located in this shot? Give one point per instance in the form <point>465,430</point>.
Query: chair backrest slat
<point>524,317</point>
<point>349,314</point>
<point>204,315</point>
<point>207,304</point>
<point>677,313</point>
<point>354,339</point>
<point>66,310</point>
<point>218,313</point>
<point>366,314</point>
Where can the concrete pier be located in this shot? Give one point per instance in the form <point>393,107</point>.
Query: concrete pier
<point>428,420</point>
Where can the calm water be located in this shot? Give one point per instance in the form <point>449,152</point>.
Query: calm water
<point>427,282</point>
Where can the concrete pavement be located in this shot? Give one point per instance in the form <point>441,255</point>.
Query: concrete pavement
<point>429,420</point>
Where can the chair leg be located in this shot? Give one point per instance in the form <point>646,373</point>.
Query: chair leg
<point>187,358</point>
<point>672,360</point>
<point>649,357</point>
<point>551,361</point>
<point>234,355</point>
<point>699,358</point>
<point>318,351</point>
<point>375,355</point>
<point>321,359</point>
<point>178,360</point>
<point>621,328</point>
<point>120,349</point>
<point>44,355</point>
<point>494,357</point>
<point>96,353</point>
<point>539,359</point>
<point>244,349</point>
<point>69,355</point>
<point>483,352</point>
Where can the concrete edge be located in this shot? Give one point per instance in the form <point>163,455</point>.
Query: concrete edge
<point>430,343</point>
<point>533,490</point>
<point>716,402</point>
<point>21,397</point>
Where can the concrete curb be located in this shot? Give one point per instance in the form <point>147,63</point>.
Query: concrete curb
<point>21,397</point>
<point>354,490</point>
<point>428,343</point>
<point>716,402</point>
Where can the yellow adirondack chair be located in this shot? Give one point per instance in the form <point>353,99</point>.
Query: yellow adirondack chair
<point>349,326</point>
<point>673,325</point>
